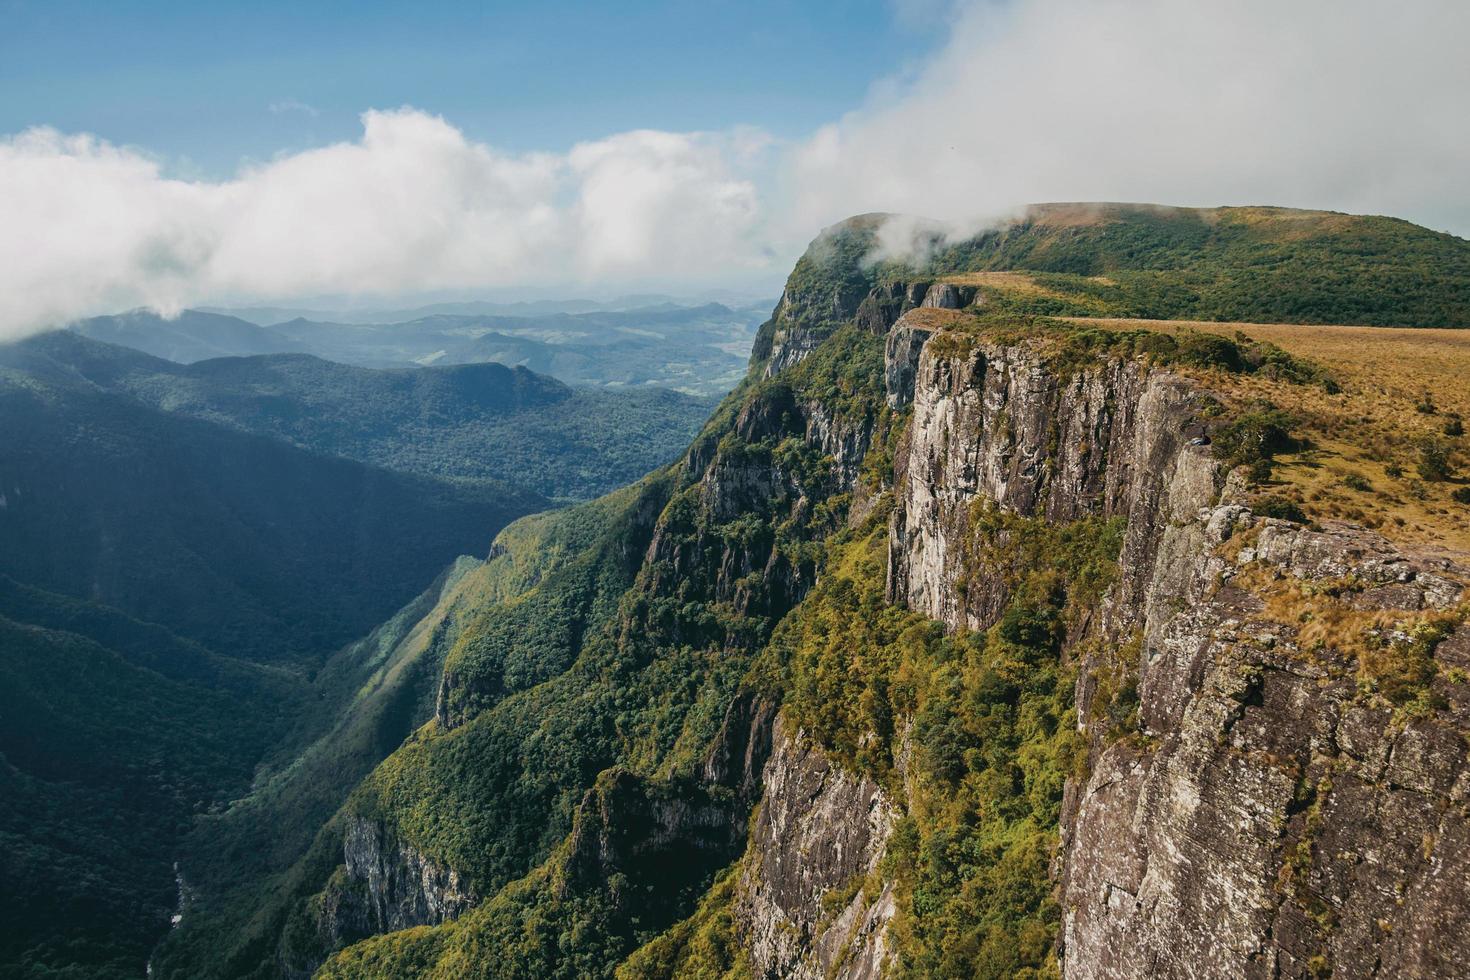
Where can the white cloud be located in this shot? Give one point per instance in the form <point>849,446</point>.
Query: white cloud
<point>412,206</point>
<point>1354,105</point>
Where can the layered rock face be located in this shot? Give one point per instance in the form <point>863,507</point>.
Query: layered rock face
<point>387,885</point>
<point>820,834</point>
<point>1275,821</point>
<point>1271,815</point>
<point>995,426</point>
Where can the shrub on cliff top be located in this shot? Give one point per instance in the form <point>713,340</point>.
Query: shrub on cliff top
<point>1256,436</point>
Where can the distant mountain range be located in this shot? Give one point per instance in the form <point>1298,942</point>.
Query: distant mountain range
<point>266,315</point>
<point>696,349</point>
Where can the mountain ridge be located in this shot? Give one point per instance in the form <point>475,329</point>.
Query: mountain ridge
<point>945,597</point>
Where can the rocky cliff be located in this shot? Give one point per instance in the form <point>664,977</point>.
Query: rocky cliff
<point>977,622</point>
<point>1288,796</point>
<point>806,903</point>
<point>386,884</point>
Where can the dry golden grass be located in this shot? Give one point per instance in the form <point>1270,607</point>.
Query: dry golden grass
<point>1020,282</point>
<point>1013,282</point>
<point>1390,647</point>
<point>933,318</point>
<point>1371,426</point>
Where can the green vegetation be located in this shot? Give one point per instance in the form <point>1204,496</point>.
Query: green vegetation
<point>1278,507</point>
<point>1071,346</point>
<point>249,546</point>
<point>484,423</point>
<point>623,659</point>
<point>1434,459</point>
<point>701,947</point>
<point>1271,265</point>
<point>140,732</point>
<point>105,763</point>
<point>1254,438</point>
<point>993,732</point>
<point>824,289</point>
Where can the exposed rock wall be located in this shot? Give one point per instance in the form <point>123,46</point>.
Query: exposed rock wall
<point>1272,815</point>
<point>803,910</point>
<point>1276,821</point>
<point>997,426</point>
<point>387,885</point>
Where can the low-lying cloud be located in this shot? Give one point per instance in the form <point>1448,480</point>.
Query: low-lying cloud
<point>412,206</point>
<point>1350,105</point>
<point>1353,105</point>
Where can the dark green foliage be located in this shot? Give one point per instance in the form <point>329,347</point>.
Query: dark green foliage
<point>1209,350</point>
<point>830,280</point>
<point>636,646</point>
<point>252,547</point>
<point>209,539</point>
<point>702,947</point>
<point>572,918</point>
<point>1454,426</point>
<point>1075,345</point>
<point>1280,508</point>
<point>1434,459</point>
<point>1255,436</point>
<point>1271,265</point>
<point>480,422</point>
<point>993,733</point>
<point>103,764</point>
<point>1460,495</point>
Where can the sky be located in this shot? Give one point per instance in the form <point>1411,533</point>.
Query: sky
<point>171,154</point>
<point>208,85</point>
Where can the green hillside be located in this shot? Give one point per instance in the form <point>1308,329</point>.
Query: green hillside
<point>1255,264</point>
<point>481,421</point>
<point>104,764</point>
<point>246,544</point>
<point>1270,265</point>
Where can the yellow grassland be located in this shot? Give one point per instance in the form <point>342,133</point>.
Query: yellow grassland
<point>1372,425</point>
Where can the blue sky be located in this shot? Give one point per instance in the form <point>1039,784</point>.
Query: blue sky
<point>210,83</point>
<point>181,154</point>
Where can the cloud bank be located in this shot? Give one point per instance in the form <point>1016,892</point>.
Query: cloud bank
<point>412,206</point>
<point>1352,105</point>
<point>1349,105</point>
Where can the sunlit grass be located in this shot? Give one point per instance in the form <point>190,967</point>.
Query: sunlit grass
<point>1371,429</point>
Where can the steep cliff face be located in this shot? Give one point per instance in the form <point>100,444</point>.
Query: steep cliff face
<point>1278,819</point>
<point>1289,796</point>
<point>386,884</point>
<point>806,904</point>
<point>996,426</point>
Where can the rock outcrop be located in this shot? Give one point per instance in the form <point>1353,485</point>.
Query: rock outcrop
<point>810,904</point>
<point>1274,812</point>
<point>387,885</point>
<point>1276,820</point>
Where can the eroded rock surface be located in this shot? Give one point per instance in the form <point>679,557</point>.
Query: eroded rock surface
<point>810,905</point>
<point>1273,813</point>
<point>387,885</point>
